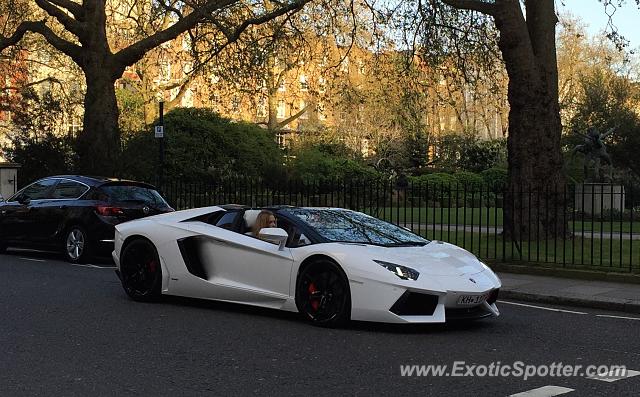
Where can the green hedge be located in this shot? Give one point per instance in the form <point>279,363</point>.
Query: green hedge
<point>201,144</point>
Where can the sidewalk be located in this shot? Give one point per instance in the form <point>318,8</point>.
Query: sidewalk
<point>572,292</point>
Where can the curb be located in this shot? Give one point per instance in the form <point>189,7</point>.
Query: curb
<point>592,275</point>
<point>620,305</point>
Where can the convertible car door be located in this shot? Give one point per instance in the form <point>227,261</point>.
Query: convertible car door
<point>248,269</point>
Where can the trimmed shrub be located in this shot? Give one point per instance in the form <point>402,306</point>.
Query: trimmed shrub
<point>496,179</point>
<point>201,144</point>
<point>470,180</point>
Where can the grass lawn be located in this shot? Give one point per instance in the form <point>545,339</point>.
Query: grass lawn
<point>584,253</point>
<point>485,216</point>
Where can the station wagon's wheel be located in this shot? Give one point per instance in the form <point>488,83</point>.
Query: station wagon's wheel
<point>76,245</point>
<point>322,294</point>
<point>140,271</point>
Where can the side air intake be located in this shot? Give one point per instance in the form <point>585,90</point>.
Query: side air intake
<point>190,249</point>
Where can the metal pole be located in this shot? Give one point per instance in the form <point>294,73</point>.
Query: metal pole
<point>161,111</point>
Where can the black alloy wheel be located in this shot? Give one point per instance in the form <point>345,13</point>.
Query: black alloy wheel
<point>140,271</point>
<point>322,294</point>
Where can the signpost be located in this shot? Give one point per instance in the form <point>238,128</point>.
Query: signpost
<point>159,134</point>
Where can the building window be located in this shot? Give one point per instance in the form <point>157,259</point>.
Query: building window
<point>74,128</point>
<point>214,101</point>
<point>281,109</point>
<point>322,114</point>
<point>165,70</point>
<point>235,103</point>
<point>304,86</point>
<point>362,67</point>
<point>365,149</point>
<point>262,107</point>
<point>322,85</point>
<point>281,138</point>
<point>359,114</point>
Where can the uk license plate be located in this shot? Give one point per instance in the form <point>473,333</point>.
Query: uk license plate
<point>471,299</point>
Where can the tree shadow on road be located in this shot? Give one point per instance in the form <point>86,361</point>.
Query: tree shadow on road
<point>353,326</point>
<point>101,260</point>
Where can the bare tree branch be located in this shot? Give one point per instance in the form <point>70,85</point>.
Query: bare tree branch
<point>73,8</point>
<point>6,42</point>
<point>22,87</point>
<point>72,50</point>
<point>293,117</point>
<point>178,99</point>
<point>69,23</point>
<point>473,5</point>
<point>135,52</point>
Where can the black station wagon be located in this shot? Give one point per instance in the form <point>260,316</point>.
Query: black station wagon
<point>75,214</point>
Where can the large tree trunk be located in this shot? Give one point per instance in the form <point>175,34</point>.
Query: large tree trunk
<point>535,203</point>
<point>99,141</point>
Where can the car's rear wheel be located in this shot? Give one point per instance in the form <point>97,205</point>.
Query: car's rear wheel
<point>140,271</point>
<point>77,248</point>
<point>322,294</point>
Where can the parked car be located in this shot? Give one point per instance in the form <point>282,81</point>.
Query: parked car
<point>75,214</point>
<point>329,264</point>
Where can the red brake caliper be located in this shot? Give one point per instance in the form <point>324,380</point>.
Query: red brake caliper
<point>315,302</point>
<point>152,266</point>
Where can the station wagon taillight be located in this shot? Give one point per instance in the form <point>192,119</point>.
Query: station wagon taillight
<point>108,211</point>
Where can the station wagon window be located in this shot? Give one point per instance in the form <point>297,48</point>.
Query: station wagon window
<point>36,191</point>
<point>133,194</point>
<point>68,190</point>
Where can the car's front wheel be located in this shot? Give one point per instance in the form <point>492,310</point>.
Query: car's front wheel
<point>140,271</point>
<point>322,294</point>
<point>76,245</point>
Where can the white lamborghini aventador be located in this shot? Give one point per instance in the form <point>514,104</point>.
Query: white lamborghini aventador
<point>329,264</point>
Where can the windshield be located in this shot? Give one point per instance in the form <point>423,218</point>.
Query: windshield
<point>355,227</point>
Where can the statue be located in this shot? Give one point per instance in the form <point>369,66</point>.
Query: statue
<point>594,152</point>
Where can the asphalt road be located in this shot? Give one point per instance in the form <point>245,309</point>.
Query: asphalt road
<point>70,330</point>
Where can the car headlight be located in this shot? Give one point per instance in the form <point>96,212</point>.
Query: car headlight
<point>405,273</point>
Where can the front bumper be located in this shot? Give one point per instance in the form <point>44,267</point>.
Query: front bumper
<point>381,302</point>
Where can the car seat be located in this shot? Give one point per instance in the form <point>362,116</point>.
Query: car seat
<point>250,217</point>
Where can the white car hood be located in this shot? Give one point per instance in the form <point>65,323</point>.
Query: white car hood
<point>436,258</point>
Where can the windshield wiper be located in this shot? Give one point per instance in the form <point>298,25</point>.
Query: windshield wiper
<point>407,244</point>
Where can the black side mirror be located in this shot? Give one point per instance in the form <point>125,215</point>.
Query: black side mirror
<point>24,200</point>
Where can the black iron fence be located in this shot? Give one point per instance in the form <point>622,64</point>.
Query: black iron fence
<point>590,226</point>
